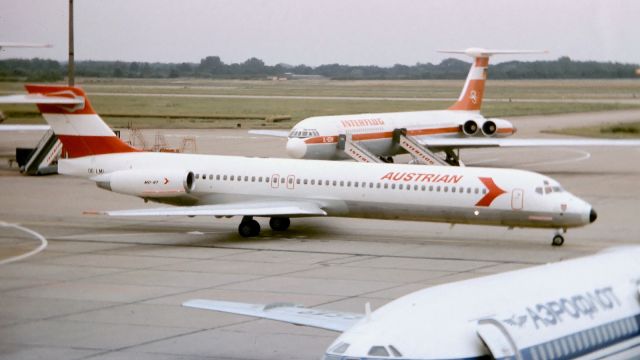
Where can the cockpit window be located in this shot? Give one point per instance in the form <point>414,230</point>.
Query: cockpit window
<point>303,133</point>
<point>378,351</point>
<point>549,189</point>
<point>340,348</point>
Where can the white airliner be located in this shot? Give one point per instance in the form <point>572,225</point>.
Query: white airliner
<point>420,133</point>
<point>225,186</point>
<point>586,308</point>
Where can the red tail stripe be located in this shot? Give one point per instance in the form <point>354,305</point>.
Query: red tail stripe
<point>78,146</point>
<point>62,91</point>
<point>482,61</point>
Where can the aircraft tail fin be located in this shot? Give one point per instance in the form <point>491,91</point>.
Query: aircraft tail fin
<point>473,91</point>
<point>70,114</point>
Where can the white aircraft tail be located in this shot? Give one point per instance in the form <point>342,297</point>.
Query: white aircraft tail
<point>473,91</point>
<point>80,129</point>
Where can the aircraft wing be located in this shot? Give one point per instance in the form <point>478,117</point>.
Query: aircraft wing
<point>462,143</point>
<point>257,208</point>
<point>276,133</point>
<point>285,312</point>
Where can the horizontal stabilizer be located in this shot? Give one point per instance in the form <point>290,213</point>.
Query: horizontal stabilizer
<point>40,99</point>
<point>16,127</point>
<point>290,313</point>
<point>477,52</point>
<point>258,208</point>
<point>276,133</point>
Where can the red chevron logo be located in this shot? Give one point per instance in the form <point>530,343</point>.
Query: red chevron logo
<point>494,192</point>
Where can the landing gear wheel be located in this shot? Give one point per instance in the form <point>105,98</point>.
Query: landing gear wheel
<point>279,223</point>
<point>558,240</point>
<point>249,228</point>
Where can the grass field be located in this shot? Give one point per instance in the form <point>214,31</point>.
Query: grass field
<point>510,98</point>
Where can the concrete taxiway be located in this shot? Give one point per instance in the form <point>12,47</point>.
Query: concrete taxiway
<point>108,288</point>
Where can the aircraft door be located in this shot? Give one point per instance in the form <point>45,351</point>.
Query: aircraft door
<point>498,340</point>
<point>517,199</point>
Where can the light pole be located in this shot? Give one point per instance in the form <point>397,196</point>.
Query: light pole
<point>71,65</point>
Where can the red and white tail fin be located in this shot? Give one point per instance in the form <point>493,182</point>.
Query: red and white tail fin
<point>68,111</point>
<point>473,91</point>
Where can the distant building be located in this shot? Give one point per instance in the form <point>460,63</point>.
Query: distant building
<point>638,72</point>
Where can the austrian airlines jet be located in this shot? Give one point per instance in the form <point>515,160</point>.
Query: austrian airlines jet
<point>207,185</point>
<point>587,308</point>
<point>385,135</point>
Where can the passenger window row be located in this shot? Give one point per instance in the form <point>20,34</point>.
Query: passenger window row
<point>586,341</point>
<point>343,183</point>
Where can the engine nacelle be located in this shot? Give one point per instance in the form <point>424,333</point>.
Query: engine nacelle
<point>498,128</point>
<point>489,128</point>
<point>469,128</point>
<point>148,183</point>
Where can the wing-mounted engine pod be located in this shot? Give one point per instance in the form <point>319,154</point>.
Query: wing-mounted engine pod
<point>489,128</point>
<point>469,128</point>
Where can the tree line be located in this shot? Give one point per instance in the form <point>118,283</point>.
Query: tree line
<point>254,68</point>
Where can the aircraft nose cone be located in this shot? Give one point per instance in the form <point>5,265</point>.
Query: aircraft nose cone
<point>593,215</point>
<point>296,148</point>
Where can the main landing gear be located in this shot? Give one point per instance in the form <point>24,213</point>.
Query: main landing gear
<point>250,228</point>
<point>558,239</point>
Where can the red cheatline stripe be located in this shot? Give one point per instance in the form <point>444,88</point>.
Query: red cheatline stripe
<point>494,191</point>
<point>77,146</point>
<point>382,135</point>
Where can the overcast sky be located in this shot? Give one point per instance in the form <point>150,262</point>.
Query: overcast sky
<point>356,32</point>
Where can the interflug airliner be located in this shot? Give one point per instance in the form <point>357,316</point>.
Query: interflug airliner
<point>377,137</point>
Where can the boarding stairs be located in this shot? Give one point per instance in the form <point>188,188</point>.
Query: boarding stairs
<point>43,160</point>
<point>355,150</point>
<point>413,147</point>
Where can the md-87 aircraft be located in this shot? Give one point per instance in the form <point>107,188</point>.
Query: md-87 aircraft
<point>587,308</point>
<point>225,186</point>
<point>376,137</point>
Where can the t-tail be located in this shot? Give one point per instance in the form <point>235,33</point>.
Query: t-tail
<point>473,91</point>
<point>80,129</point>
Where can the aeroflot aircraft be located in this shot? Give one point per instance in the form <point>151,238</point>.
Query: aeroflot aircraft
<point>586,308</point>
<point>228,186</point>
<point>460,126</point>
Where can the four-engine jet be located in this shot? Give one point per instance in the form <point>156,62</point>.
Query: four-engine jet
<point>424,134</point>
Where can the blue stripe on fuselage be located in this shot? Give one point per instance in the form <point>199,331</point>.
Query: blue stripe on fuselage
<point>566,347</point>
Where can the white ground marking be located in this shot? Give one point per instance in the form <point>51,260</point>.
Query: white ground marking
<point>43,243</point>
<point>584,155</point>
